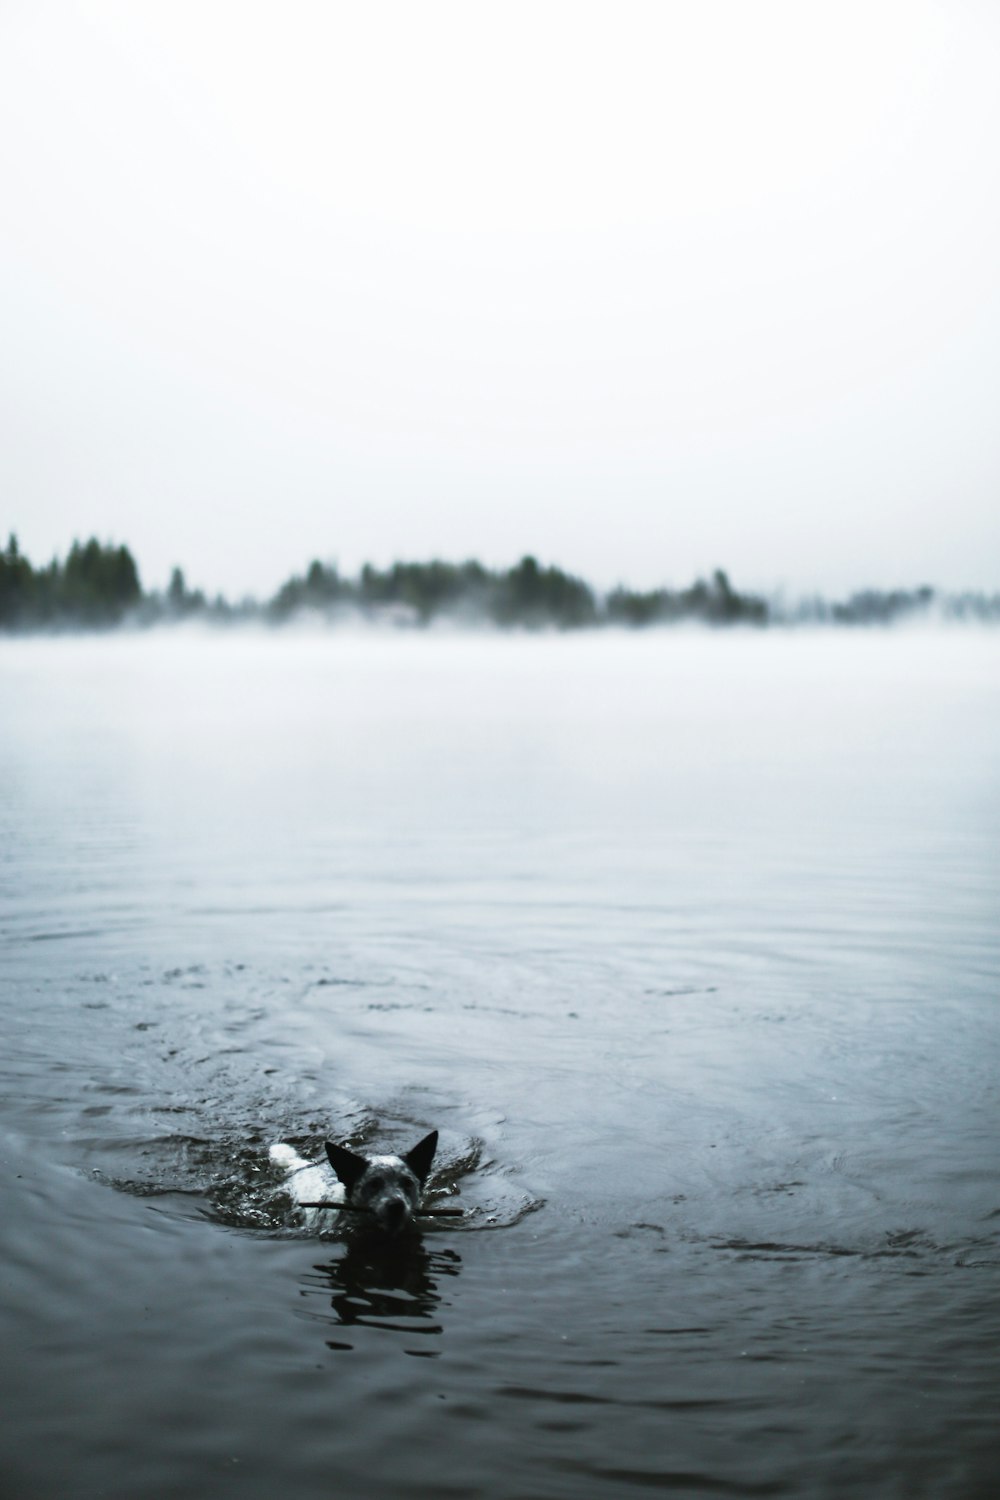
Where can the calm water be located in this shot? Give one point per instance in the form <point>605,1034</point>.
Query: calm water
<point>687,944</point>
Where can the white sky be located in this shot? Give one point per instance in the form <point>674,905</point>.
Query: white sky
<point>641,288</point>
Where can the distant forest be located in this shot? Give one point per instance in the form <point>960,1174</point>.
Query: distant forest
<point>98,587</point>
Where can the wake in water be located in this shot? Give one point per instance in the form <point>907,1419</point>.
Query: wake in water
<point>244,1186</point>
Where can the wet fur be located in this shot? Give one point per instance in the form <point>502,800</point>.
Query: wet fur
<point>389,1188</point>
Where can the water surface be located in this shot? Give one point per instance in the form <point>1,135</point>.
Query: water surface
<point>686,943</point>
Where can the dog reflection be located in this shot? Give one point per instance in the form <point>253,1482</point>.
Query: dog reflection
<point>389,1284</point>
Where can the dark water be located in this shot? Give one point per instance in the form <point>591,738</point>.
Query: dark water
<point>687,945</point>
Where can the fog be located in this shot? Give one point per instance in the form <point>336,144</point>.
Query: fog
<point>642,290</point>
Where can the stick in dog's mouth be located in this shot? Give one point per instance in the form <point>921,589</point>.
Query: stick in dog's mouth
<point>364,1208</point>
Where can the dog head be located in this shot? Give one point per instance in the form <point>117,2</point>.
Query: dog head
<point>389,1187</point>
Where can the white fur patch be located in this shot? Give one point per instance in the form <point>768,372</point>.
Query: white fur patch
<point>309,1182</point>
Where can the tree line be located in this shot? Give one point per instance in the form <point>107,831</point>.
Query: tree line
<point>98,586</point>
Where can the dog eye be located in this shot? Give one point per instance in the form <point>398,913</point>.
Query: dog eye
<point>376,1184</point>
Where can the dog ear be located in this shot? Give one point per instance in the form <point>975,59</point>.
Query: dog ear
<point>348,1166</point>
<point>419,1159</point>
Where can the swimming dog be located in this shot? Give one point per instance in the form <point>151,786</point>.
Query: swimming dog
<point>385,1190</point>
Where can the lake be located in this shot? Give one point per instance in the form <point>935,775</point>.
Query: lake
<point>686,942</point>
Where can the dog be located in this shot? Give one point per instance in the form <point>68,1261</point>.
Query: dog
<point>385,1191</point>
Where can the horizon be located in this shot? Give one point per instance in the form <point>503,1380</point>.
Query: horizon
<point>192,582</point>
<point>99,587</point>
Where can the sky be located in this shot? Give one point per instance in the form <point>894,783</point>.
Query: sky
<point>642,289</point>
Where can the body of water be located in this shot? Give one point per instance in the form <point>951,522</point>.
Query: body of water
<point>686,943</point>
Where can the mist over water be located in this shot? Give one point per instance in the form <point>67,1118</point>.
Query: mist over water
<point>686,943</point>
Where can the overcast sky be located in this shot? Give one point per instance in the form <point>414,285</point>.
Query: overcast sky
<point>640,288</point>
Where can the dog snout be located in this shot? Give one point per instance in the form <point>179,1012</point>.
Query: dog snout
<point>395,1212</point>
